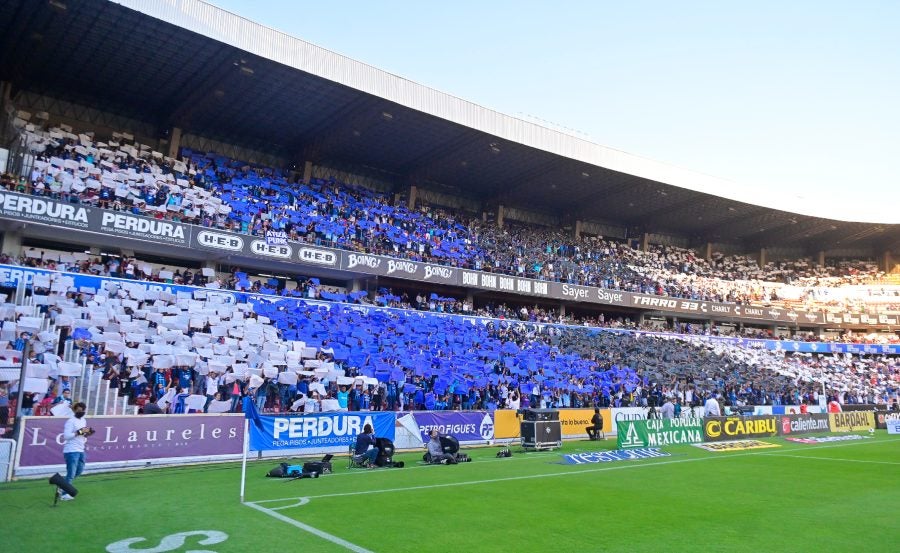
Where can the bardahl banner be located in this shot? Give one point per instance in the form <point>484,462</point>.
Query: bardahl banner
<point>465,426</point>
<point>719,429</point>
<point>316,433</point>
<point>134,438</point>
<point>852,421</point>
<point>659,432</point>
<point>803,424</point>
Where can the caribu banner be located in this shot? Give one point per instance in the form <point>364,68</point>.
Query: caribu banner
<point>659,432</point>
<point>465,426</point>
<point>318,432</point>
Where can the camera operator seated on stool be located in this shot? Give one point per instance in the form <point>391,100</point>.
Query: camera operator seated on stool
<point>365,449</point>
<point>595,431</point>
<point>436,453</point>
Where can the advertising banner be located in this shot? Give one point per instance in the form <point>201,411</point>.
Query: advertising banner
<point>893,426</point>
<point>465,426</point>
<point>737,445</point>
<point>575,421</point>
<point>613,456</point>
<point>506,424</point>
<point>882,417</point>
<point>318,432</point>
<point>803,424</point>
<point>134,438</point>
<point>718,429</point>
<point>854,421</point>
<point>659,432</point>
<point>622,414</point>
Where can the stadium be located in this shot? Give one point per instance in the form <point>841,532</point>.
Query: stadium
<point>267,259</point>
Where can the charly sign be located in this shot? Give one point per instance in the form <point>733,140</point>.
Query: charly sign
<point>134,438</point>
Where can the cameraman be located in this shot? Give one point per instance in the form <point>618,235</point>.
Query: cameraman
<point>595,431</point>
<point>75,433</point>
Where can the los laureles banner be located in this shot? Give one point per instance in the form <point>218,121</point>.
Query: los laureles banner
<point>129,226</point>
<point>130,438</point>
<point>659,432</point>
<point>316,433</point>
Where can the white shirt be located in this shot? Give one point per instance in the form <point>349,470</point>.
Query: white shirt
<point>74,441</point>
<point>712,408</point>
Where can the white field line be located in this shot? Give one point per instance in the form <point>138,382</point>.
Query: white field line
<point>307,528</point>
<point>834,459</point>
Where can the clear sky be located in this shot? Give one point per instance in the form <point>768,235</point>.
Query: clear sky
<point>799,100</point>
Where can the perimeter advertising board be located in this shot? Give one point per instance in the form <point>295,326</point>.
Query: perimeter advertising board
<point>719,429</point>
<point>852,421</point>
<point>659,432</point>
<point>129,440</point>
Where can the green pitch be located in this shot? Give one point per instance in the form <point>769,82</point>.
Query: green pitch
<point>825,497</point>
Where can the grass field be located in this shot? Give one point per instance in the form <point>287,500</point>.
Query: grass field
<point>825,497</point>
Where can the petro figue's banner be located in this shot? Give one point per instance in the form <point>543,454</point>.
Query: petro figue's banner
<point>316,433</point>
<point>465,426</point>
<point>718,429</point>
<point>659,432</point>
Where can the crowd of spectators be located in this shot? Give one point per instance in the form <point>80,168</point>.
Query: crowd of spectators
<point>156,347</point>
<point>210,190</point>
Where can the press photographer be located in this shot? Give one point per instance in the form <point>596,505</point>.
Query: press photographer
<point>75,434</point>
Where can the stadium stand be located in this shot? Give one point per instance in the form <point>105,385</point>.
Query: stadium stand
<point>213,191</point>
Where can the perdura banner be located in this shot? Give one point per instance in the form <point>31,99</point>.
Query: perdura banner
<point>718,429</point>
<point>133,438</point>
<point>853,421</point>
<point>316,433</point>
<point>659,432</point>
<point>465,426</point>
<point>803,424</point>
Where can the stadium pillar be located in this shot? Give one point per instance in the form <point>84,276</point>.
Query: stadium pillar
<point>12,244</point>
<point>500,216</point>
<point>307,171</point>
<point>762,258</point>
<point>708,251</point>
<point>5,94</point>
<point>412,197</point>
<point>577,229</point>
<point>821,258</point>
<point>174,141</point>
<point>356,285</point>
<point>645,242</point>
<point>887,262</point>
<point>562,309</point>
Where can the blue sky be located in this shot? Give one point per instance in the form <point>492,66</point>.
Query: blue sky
<point>797,100</point>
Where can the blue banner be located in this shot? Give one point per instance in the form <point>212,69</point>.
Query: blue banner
<point>465,426</point>
<point>318,432</point>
